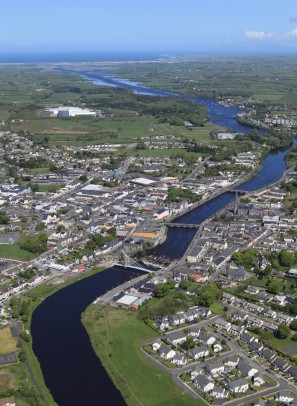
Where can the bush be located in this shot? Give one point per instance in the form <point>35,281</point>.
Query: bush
<point>283,331</point>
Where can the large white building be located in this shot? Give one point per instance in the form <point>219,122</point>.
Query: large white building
<point>66,111</point>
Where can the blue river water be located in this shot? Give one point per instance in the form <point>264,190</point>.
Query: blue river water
<point>70,367</point>
<point>224,116</point>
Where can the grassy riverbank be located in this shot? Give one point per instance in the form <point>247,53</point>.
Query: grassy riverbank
<point>116,337</point>
<point>31,301</point>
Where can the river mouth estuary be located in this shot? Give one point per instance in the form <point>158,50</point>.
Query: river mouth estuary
<point>71,369</point>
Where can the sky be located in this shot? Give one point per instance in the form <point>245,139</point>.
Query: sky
<point>149,26</point>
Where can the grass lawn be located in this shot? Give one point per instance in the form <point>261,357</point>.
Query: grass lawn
<point>163,152</point>
<point>278,344</point>
<point>7,342</point>
<point>116,336</point>
<point>283,285</point>
<point>13,251</point>
<point>217,308</point>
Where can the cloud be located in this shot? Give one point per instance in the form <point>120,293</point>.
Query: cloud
<point>258,35</point>
<point>293,20</point>
<point>292,34</point>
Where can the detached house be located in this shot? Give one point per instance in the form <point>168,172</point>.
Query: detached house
<point>232,361</point>
<point>215,367</point>
<point>163,323</point>
<point>198,352</point>
<point>284,397</point>
<point>179,359</point>
<point>219,393</point>
<point>203,383</point>
<point>239,385</point>
<point>166,352</point>
<point>246,369</point>
<point>206,338</point>
<point>176,337</point>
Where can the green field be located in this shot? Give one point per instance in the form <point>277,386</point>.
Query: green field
<point>217,308</point>
<point>284,285</point>
<point>13,251</point>
<point>116,336</point>
<point>7,342</point>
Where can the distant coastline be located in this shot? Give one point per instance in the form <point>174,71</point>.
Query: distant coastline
<point>44,57</point>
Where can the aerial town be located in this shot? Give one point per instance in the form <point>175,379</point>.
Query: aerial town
<point>88,212</point>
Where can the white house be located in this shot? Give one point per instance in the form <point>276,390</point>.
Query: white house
<point>163,323</point>
<point>258,380</point>
<point>222,324</point>
<point>217,347</point>
<point>246,369</point>
<point>156,345</point>
<point>166,352</point>
<point>179,359</point>
<point>206,338</point>
<point>219,393</point>
<point>195,372</point>
<point>232,361</point>
<point>215,367</point>
<point>239,385</point>
<point>203,383</point>
<point>176,337</point>
<point>285,397</point>
<point>198,352</point>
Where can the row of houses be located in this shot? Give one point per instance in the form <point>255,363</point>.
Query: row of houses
<point>193,314</point>
<point>258,309</point>
<point>269,355</point>
<point>167,348</point>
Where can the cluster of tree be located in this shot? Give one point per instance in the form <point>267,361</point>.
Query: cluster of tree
<point>290,186</point>
<point>28,273</point>
<point>98,240</point>
<point>40,227</point>
<point>201,148</point>
<point>169,304</point>
<point>275,138</point>
<point>291,156</point>
<point>208,294</point>
<point>83,178</point>
<point>37,244</point>
<point>283,331</point>
<point>216,170</point>
<point>167,110</point>
<point>175,194</point>
<point>246,258</point>
<point>164,289</point>
<point>32,163</point>
<point>52,188</point>
<point>105,183</point>
<point>4,217</point>
<point>284,258</point>
<point>62,211</point>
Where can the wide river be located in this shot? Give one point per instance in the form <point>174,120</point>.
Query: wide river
<point>71,369</point>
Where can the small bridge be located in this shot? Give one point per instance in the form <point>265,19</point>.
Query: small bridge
<point>131,263</point>
<point>183,225</point>
<point>237,191</point>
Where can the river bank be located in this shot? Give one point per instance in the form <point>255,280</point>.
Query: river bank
<point>121,336</point>
<point>33,299</point>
